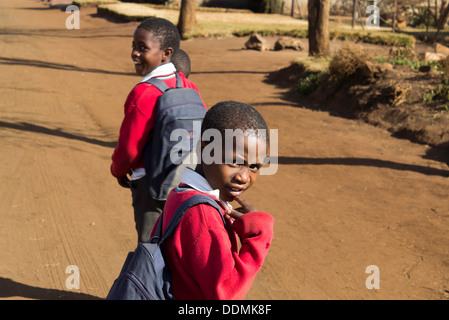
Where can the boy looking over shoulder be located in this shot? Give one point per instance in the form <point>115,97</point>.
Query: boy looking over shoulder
<point>154,43</point>
<point>202,253</point>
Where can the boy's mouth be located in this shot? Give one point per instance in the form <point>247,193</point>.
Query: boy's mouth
<point>234,192</point>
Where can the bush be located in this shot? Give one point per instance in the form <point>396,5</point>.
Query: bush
<point>308,84</point>
<point>266,6</point>
<point>443,66</point>
<point>345,64</point>
<point>441,92</point>
<point>421,18</point>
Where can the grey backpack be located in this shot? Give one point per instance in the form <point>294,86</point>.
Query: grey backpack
<point>177,108</point>
<point>145,275</point>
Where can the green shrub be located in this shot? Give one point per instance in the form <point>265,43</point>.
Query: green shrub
<point>421,18</point>
<point>441,92</point>
<point>309,84</point>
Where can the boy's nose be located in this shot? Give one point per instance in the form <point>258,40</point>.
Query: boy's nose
<point>135,53</point>
<point>243,175</point>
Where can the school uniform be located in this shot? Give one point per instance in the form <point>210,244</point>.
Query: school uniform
<point>135,131</point>
<point>203,254</point>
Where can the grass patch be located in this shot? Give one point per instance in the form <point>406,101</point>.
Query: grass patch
<point>226,30</point>
<point>92,3</point>
<point>312,64</point>
<point>135,12</point>
<point>414,63</point>
<point>378,37</point>
<point>311,70</point>
<point>406,57</point>
<point>220,29</point>
<point>219,23</point>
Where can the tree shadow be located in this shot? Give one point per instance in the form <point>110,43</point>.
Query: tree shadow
<point>56,33</point>
<point>229,72</point>
<point>438,153</point>
<point>59,66</point>
<point>24,126</point>
<point>11,288</point>
<point>111,18</point>
<point>367,162</point>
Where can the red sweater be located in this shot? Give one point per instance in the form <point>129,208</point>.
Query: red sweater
<point>138,124</point>
<point>203,255</point>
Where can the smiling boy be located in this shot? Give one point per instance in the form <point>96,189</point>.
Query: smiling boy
<point>154,42</point>
<point>202,253</point>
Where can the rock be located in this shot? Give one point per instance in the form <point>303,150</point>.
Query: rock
<point>257,42</point>
<point>432,56</point>
<point>439,48</point>
<point>288,43</point>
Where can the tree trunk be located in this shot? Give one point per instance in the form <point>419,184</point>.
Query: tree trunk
<point>318,27</point>
<point>187,17</point>
<point>444,15</point>
<point>354,13</point>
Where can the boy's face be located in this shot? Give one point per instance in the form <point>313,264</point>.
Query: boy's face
<point>232,179</point>
<point>146,53</point>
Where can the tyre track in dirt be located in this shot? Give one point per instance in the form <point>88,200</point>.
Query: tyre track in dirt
<point>51,139</point>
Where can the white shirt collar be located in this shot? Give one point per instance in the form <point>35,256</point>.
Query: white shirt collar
<point>162,70</point>
<point>199,183</point>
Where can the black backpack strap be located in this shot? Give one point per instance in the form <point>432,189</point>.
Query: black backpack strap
<point>161,84</point>
<point>178,81</point>
<point>183,207</point>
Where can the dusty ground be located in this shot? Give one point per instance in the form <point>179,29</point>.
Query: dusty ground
<point>347,195</point>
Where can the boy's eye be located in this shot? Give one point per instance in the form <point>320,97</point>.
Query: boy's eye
<point>234,163</point>
<point>254,167</point>
<point>141,47</point>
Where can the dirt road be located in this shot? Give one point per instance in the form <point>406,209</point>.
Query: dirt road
<point>346,195</point>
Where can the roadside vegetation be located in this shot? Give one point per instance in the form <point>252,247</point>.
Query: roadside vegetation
<point>401,91</point>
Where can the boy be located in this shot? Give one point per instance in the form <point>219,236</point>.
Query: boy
<point>202,253</point>
<point>181,60</point>
<point>154,43</point>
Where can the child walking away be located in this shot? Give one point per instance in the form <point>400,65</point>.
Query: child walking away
<point>203,253</point>
<point>181,60</point>
<point>154,43</point>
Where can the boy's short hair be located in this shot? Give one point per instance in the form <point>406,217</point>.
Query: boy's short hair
<point>181,61</point>
<point>164,30</point>
<point>234,115</point>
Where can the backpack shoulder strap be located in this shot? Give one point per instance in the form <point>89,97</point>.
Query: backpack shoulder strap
<point>158,83</point>
<point>183,207</point>
<point>178,81</point>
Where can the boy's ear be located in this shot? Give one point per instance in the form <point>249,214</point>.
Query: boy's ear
<point>167,54</point>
